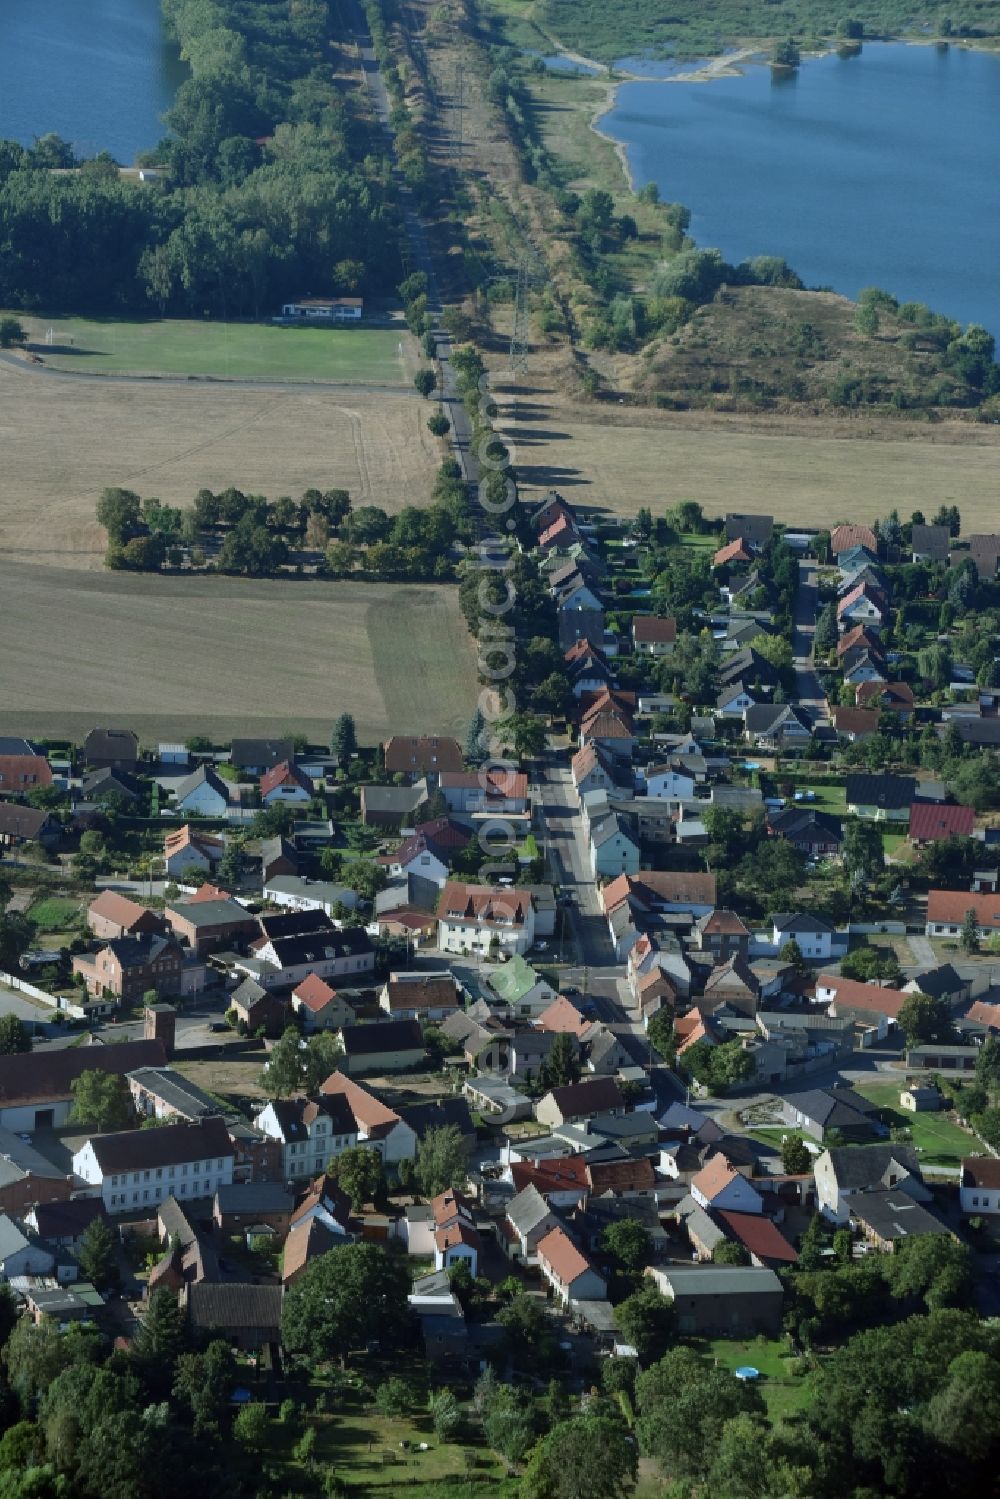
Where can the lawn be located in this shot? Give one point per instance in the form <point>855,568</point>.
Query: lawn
<point>54,913</point>
<point>256,351</point>
<point>936,1138</point>
<point>785,1392</point>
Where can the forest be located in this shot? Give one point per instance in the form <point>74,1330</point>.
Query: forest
<point>266,184</point>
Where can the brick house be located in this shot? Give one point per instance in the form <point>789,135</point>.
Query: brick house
<point>128,967</point>
<point>112,915</point>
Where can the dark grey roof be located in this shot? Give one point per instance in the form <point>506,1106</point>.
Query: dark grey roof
<point>141,1149</point>
<point>291,1115</point>
<point>721,1280</point>
<point>382,1036</point>
<point>800,922</point>
<point>859,1166</point>
<point>978,730</point>
<point>107,780</point>
<point>527,1210</point>
<point>175,1089</point>
<point>111,744</point>
<point>246,753</point>
<point>437,1112</point>
<point>295,923</point>
<point>932,541</point>
<point>396,800</point>
<point>67,1220</point>
<point>254,1197</point>
<point>210,913</point>
<point>945,979</point>
<point>765,716</point>
<point>11,746</point>
<point>894,1215</point>
<point>290,952</point>
<point>755,528</point>
<point>43,1076</point>
<point>235,1306</point>
<point>801,822</point>
<point>833,1108</point>
<point>888,792</point>
<point>204,775</point>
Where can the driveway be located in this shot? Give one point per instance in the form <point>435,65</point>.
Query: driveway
<point>922,951</point>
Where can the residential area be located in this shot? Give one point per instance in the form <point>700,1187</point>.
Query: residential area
<point>695,1073</point>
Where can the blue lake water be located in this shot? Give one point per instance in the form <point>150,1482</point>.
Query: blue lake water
<point>97,72</point>
<point>874,170</point>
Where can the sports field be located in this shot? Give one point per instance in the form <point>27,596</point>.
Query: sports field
<point>63,441</point>
<point>249,351</point>
<point>174,656</point>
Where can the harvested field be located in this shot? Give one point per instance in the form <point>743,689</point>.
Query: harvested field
<point>804,471</point>
<point>174,656</point>
<point>65,440</point>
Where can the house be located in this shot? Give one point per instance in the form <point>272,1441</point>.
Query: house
<point>296,943</point>
<point>325,1206</point>
<point>737,553</point>
<point>929,543</point>
<point>735,701</point>
<point>864,604</point>
<point>674,779</point>
<point>580,1101</point>
<point>756,530</point>
<point>376,1124</point>
<point>844,1170</point>
<point>984,552</point>
<point>563,1015</point>
<point>310,1131</point>
<point>187,849</point>
<point>244,1205</point>
<point>285,785</point>
<point>653,636</point>
<point>139,1167</point>
<point>821,1111</point>
<point>325,309</point>
<point>760,1237</point>
<point>27,1178</point>
<point>520,987</point>
<point>853,724</point>
<point>127,968</point>
<point>455,1236</point>
<point>930,822</point>
<point>392,806</point>
<point>209,926</point>
<point>612,851</point>
<point>246,1316</point>
<point>843,538</point>
<point>886,1218</point>
<point>593,769</point>
<point>947,911</point>
<point>436,1113</point>
<point>734,1301</point>
<point>278,856</point>
<point>813,934</point>
<point>982,733</point>
<point>815,834</point>
<point>877,1004</point>
<point>777,725</point>
<point>941,982</point>
<point>111,749</point>
<point>979,1185</point>
<point>477,918</point>
<point>732,983</point>
<point>886,697</point>
<point>298,893</point>
<point>20,774</point>
<point>421,755</point>
<point>251,757</point>
<point>203,793</point>
<point>384,1046</point>
<point>885,798</point>
<point>420,996</point>
<point>863,666</point>
<point>163,1093</point>
<point>19,1255</point>
<point>415,856</point>
<point>527,1220</point>
<point>861,638</point>
<point>723,934</point>
<point>319,1007</point>
<point>257,1008</point>
<point>587,668</point>
<point>493,790</point>
<point>113,915</point>
<point>719,1185</point>
<point>36,1090</point>
<point>64,1224</point>
<point>568,1271</point>
<point>20,824</point>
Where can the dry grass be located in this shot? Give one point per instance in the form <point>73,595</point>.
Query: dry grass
<point>174,656</point>
<point>226,1076</point>
<point>807,471</point>
<point>64,441</point>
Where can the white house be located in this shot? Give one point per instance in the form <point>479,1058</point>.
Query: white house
<point>18,1255</point>
<point>568,1271</point>
<point>188,849</point>
<point>285,784</point>
<point>310,1131</point>
<point>203,794</point>
<point>140,1168</point>
<point>843,1170</point>
<point>669,782</point>
<point>492,789</point>
<point>456,1238</point>
<point>734,701</point>
<point>979,1188</point>
<point>377,1125</point>
<point>478,918</point>
<point>813,934</point>
<point>612,851</point>
<point>719,1185</point>
<point>299,893</point>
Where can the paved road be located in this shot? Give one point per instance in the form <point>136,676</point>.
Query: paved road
<point>567,855</point>
<point>808,690</point>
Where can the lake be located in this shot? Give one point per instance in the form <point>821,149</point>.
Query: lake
<point>874,170</point>
<point>97,72</point>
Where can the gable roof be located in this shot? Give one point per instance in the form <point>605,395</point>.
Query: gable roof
<point>751,527</point>
<point>187,837</point>
<point>591,1096</point>
<point>368,1111</point>
<point>381,1036</point>
<point>175,1144</point>
<point>842,538</point>
<point>853,994</point>
<point>204,775</point>
<point>892,696</point>
<point>886,791</point>
<point>247,753</point>
<point>857,721</point>
<point>527,1209</point>
<point>111,905</point>
<point>930,821</point>
<point>857,1166</point>
<point>931,541</point>
<point>714,1177</point>
<point>981,1171</point>
<point>17,821</point>
<point>799,921</point>
<point>422,752</point>
<point>46,1076</point>
<point>563,1015</point>
<point>831,1107</point>
<point>483,904</point>
<point>951,907</point>
<point>284,774</point>
<point>652,629</point>
<point>111,744</point>
<point>422,991</point>
<point>230,1305</point>
<point>759,1236</point>
<point>862,637</point>
<point>562,1256</point>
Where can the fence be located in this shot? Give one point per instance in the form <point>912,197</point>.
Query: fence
<point>51,1001</point>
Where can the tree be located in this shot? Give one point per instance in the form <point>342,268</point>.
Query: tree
<point>12,333</point>
<point>562,1065</point>
<point>344,739</point>
<point>202,1382</point>
<point>508,1426</point>
<point>661,1034</point>
<point>251,1426</point>
<point>442,1159</point>
<point>438,424</point>
<point>866,320</point>
<point>925,1019</point>
<point>97,1254</point>
<point>283,1072</point>
<point>792,953</point>
<point>647,1321</point>
<point>446,1415</point>
<point>629,1243</point>
<point>359,1172</point>
<point>796,1159</point>
<point>161,1339</point>
<point>785,54</point>
<point>14,1035</point>
<point>825,637</point>
<point>861,850</point>
<point>393,1397</point>
<point>425,381</point>
<point>524,732</point>
<point>969,936</point>
<point>684,1405</point>
<point>476,747</point>
<point>728,1252</point>
<point>101,1100</point>
<point>118,511</point>
<point>588,1457</point>
<point>343,1299</point>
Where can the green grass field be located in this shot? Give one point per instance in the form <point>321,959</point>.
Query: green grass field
<point>54,913</point>
<point>785,1392</point>
<point>258,351</point>
<point>937,1139</point>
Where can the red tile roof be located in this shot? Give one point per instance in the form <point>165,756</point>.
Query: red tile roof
<point>843,538</point>
<point>315,993</point>
<point>491,781</point>
<point>891,695</point>
<point>714,1176</point>
<point>551,1174</point>
<point>733,551</point>
<point>562,1256</point>
<point>950,906</point>
<point>650,629</point>
<point>483,904</point>
<point>858,721</point>
<point>862,636</point>
<point>563,1015</point>
<point>855,995</point>
<point>368,1110</point>
<point>981,1171</point>
<point>930,821</point>
<point>759,1236</point>
<point>117,908</point>
<point>284,775</point>
<point>24,772</point>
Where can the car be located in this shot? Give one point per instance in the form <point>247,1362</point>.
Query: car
<point>542,946</point>
<point>217,1026</point>
<point>570,989</point>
